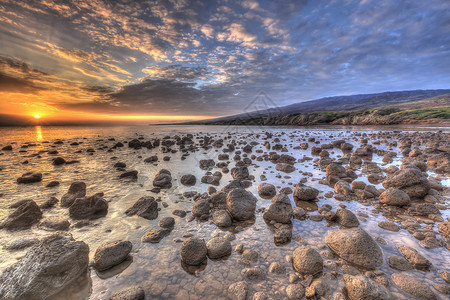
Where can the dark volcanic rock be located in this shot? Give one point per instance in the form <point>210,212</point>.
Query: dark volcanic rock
<point>307,260</point>
<point>280,210</point>
<point>155,235</point>
<point>163,179</point>
<point>394,196</point>
<point>218,247</point>
<point>92,207</point>
<point>193,251</point>
<point>129,293</point>
<point>111,253</point>
<point>30,177</point>
<point>305,193</point>
<point>26,214</point>
<point>266,190</point>
<point>145,207</point>
<point>50,266</point>
<point>413,286</point>
<point>241,204</point>
<point>410,180</point>
<point>76,190</point>
<point>362,287</point>
<point>188,180</point>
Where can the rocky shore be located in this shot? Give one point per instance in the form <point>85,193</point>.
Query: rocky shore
<point>273,214</point>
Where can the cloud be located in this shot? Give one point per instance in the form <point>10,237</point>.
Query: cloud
<point>17,85</point>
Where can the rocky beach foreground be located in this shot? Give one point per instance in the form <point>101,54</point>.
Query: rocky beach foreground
<point>226,213</point>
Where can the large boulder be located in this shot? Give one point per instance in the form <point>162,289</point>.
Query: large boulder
<point>241,204</point>
<point>221,218</point>
<point>111,253</point>
<point>410,180</point>
<point>47,268</point>
<point>305,193</point>
<point>307,260</point>
<point>413,286</point>
<point>188,180</point>
<point>163,179</point>
<point>76,190</point>
<point>92,207</point>
<point>30,177</point>
<point>193,251</point>
<point>280,210</point>
<point>218,247</point>
<point>26,214</point>
<point>200,209</point>
<point>145,207</point>
<point>355,246</point>
<point>362,287</point>
<point>394,196</point>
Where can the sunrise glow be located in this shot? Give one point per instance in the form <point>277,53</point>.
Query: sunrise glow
<point>37,116</point>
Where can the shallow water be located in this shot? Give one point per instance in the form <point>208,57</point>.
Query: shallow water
<point>157,267</point>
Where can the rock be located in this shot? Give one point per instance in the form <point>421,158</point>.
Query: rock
<point>52,183</point>
<point>299,213</point>
<point>399,263</point>
<point>206,164</point>
<point>425,209</point>
<point>92,207</point>
<point>266,190</point>
<point>155,235</point>
<point>391,226</point>
<point>55,223</point>
<point>251,255</point>
<point>445,275</point>
<point>282,235</point>
<point>280,210</point>
<point>394,196</point>
<point>362,287</point>
<point>163,179</point>
<point>110,254</point>
<point>240,173</point>
<point>238,291</point>
<point>24,216</point>
<point>193,251</point>
<point>410,180</point>
<point>241,204</point>
<point>295,291</point>
<point>30,177</point>
<point>7,148</point>
<point>58,161</point>
<point>443,288</point>
<point>218,247</point>
<point>20,244</point>
<point>342,187</point>
<point>261,296</point>
<point>336,170</point>
<point>221,218</point>
<point>307,260</point>
<point>287,168</point>
<point>413,286</point>
<point>346,218</point>
<point>151,159</point>
<point>146,207</point>
<point>355,246</point>
<point>167,222</point>
<point>179,213</point>
<point>200,209</point>
<point>305,193</point>
<point>50,265</point>
<point>255,274</point>
<point>120,164</point>
<point>76,190</point>
<point>188,180</point>
<point>133,175</point>
<point>277,268</point>
<point>413,257</point>
<point>129,293</point>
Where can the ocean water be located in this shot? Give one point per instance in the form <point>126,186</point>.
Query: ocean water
<point>157,267</point>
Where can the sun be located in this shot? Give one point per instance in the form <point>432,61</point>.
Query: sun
<point>37,116</point>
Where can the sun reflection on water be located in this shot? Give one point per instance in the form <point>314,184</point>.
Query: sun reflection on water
<point>39,133</point>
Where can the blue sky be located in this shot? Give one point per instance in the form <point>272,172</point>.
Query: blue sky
<point>212,58</point>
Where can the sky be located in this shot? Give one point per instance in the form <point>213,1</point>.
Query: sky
<point>172,60</point>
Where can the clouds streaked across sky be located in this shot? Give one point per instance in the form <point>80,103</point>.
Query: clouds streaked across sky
<point>211,58</point>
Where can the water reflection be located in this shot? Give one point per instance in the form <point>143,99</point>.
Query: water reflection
<point>39,133</point>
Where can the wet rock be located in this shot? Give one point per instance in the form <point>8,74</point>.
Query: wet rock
<point>336,170</point>
<point>261,296</point>
<point>255,274</point>
<point>30,177</point>
<point>394,196</point>
<point>266,190</point>
<point>241,204</point>
<point>146,207</point>
<point>76,190</point>
<point>342,187</point>
<point>445,275</point>
<point>251,255</point>
<point>55,223</point>
<point>50,265</point>
<point>413,286</point>
<point>287,168</point>
<point>238,291</point>
<point>193,251</point>
<point>410,180</point>
<point>20,244</point>
<point>163,179</point>
<point>151,159</point>
<point>7,148</point>
<point>282,235</point>
<point>179,213</point>
<point>188,180</point>
<point>129,293</point>
<point>167,222</point>
<point>443,288</point>
<point>26,214</point>
<point>120,164</point>
<point>307,260</point>
<point>200,209</point>
<point>280,210</point>
<point>218,247</point>
<point>58,161</point>
<point>92,207</point>
<point>413,257</point>
<point>346,218</point>
<point>110,254</point>
<point>133,174</point>
<point>355,246</point>
<point>362,287</point>
<point>391,226</point>
<point>277,268</point>
<point>305,193</point>
<point>221,218</point>
<point>299,213</point>
<point>240,173</point>
<point>444,229</point>
<point>295,291</point>
<point>206,164</point>
<point>399,263</point>
<point>155,235</point>
<point>425,209</point>
<point>52,183</point>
